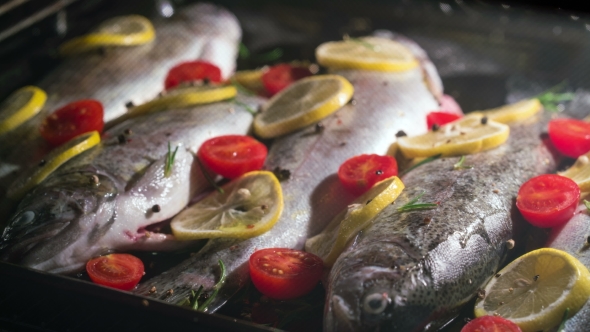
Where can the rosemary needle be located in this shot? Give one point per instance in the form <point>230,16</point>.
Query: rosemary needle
<point>209,179</point>
<point>413,205</point>
<point>460,164</point>
<point>169,160</point>
<point>587,203</point>
<point>425,161</point>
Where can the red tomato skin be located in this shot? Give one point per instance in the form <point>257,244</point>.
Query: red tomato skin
<point>490,324</point>
<point>290,284</point>
<point>358,174</point>
<point>571,137</point>
<point>192,71</point>
<point>120,271</point>
<point>440,118</point>
<point>71,120</point>
<point>546,213</point>
<point>278,77</point>
<point>448,104</point>
<point>232,155</point>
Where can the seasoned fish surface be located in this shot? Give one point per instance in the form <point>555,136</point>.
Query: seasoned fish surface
<point>103,200</point>
<point>383,104</point>
<point>121,75</point>
<point>412,271</point>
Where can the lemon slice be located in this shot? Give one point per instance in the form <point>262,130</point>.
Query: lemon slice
<point>302,103</point>
<point>368,53</point>
<point>249,206</point>
<point>519,111</point>
<point>51,162</point>
<point>183,96</point>
<point>250,79</point>
<point>468,135</point>
<point>330,243</point>
<point>118,31</point>
<point>580,172</point>
<point>20,106</point>
<point>535,289</point>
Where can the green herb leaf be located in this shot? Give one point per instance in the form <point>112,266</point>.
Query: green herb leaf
<point>460,164</point>
<point>195,297</point>
<point>169,160</point>
<point>209,179</point>
<point>243,52</point>
<point>216,288</point>
<point>425,161</point>
<point>563,320</point>
<point>364,43</point>
<point>273,55</point>
<point>550,98</point>
<point>412,205</point>
<point>587,203</point>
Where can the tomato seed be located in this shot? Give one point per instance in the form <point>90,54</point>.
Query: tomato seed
<point>280,271</point>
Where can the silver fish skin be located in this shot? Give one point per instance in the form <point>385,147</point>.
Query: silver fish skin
<point>573,238</point>
<point>102,200</point>
<point>384,103</point>
<point>125,74</point>
<point>412,271</point>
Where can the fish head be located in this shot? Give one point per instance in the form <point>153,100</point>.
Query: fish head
<point>372,297</point>
<point>59,220</point>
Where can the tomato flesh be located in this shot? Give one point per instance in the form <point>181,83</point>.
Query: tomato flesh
<point>358,174</point>
<point>74,119</point>
<point>571,137</point>
<point>440,118</point>
<point>490,324</point>
<point>232,155</point>
<point>121,271</point>
<point>548,200</point>
<point>281,76</point>
<point>285,273</point>
<point>192,71</point>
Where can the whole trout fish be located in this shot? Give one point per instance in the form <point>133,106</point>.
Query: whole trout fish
<point>412,271</point>
<point>103,199</point>
<point>121,75</point>
<point>383,104</point>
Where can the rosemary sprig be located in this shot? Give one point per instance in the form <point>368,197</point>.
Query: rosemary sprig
<point>241,88</point>
<point>563,320</point>
<point>460,164</point>
<point>246,106</point>
<point>550,98</point>
<point>209,179</point>
<point>425,161</point>
<point>194,299</point>
<point>169,160</point>
<point>587,203</point>
<point>362,42</point>
<point>274,54</point>
<point>216,288</point>
<point>413,205</point>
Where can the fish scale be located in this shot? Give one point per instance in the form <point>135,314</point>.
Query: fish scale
<point>429,263</point>
<point>383,104</point>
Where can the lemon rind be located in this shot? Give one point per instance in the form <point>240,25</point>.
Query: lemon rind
<point>276,211</point>
<point>27,111</point>
<point>304,119</point>
<point>19,188</point>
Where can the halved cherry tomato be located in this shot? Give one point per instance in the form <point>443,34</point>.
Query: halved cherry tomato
<point>192,71</point>
<point>74,119</point>
<point>121,271</point>
<point>571,137</point>
<point>358,174</point>
<point>232,155</point>
<point>440,118</point>
<point>548,200</point>
<point>281,76</point>
<point>285,273</point>
<point>491,324</point>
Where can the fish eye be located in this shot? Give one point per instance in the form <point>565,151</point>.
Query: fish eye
<point>376,303</point>
<point>25,218</point>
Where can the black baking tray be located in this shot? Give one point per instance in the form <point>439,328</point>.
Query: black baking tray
<point>484,50</point>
